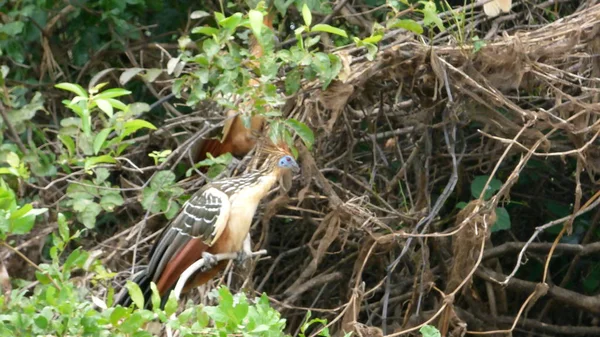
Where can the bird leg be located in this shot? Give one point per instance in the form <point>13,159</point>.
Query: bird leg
<point>210,261</point>
<point>245,252</point>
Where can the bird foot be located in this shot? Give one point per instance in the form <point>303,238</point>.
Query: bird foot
<point>242,256</point>
<point>210,261</point>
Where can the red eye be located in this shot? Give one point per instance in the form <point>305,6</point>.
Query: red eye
<point>288,159</point>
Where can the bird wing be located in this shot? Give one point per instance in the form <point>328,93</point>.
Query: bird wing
<point>204,216</point>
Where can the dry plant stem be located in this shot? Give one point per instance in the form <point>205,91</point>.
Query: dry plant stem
<point>11,248</point>
<point>424,223</point>
<point>540,229</point>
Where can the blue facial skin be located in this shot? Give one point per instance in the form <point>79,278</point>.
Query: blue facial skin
<point>289,163</point>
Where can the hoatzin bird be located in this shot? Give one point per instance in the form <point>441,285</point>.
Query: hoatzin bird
<point>216,219</point>
<point>236,138</point>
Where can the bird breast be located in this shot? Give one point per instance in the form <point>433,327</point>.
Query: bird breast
<point>243,207</point>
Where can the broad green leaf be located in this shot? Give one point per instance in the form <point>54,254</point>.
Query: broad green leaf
<point>12,159</point>
<point>91,162</point>
<point>74,88</point>
<point>478,184</point>
<point>256,21</point>
<point>303,131</point>
<point>430,331</point>
<point>111,199</point>
<point>210,47</point>
<point>502,220</point>
<point>112,93</point>
<point>210,31</point>
<point>21,211</point>
<point>135,293</point>
<point>100,139</point>
<point>328,29</point>
<point>231,22</point>
<point>105,106</point>
<point>22,225</point>
<point>306,15</point>
<point>408,24</point>
<point>132,126</point>
<point>87,211</point>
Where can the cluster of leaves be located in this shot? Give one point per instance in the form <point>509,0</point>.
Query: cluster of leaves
<point>57,304</point>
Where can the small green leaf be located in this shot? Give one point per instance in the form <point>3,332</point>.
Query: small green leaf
<point>155,296</point>
<point>306,15</point>
<point>328,29</point>
<point>100,139</point>
<point>91,162</point>
<point>74,88</point>
<point>63,227</point>
<point>430,15</point>
<point>303,131</point>
<point>256,21</point>
<point>502,220</point>
<point>199,15</point>
<point>135,293</point>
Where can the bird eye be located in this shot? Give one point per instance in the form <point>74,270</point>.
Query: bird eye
<point>288,159</point>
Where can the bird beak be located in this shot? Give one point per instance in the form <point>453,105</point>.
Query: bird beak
<point>295,168</point>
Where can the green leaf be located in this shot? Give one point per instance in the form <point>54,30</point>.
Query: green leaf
<point>105,106</point>
<point>135,293</point>
<point>110,200</point>
<point>408,24</point>
<point>155,296</point>
<point>210,31</point>
<point>302,130</point>
<point>112,93</point>
<point>430,15</point>
<point>100,139</point>
<point>211,48</point>
<point>91,162</point>
<point>430,331</point>
<point>328,29</point>
<point>63,227</point>
<point>256,21</point>
<point>478,184</point>
<point>87,211</point>
<point>231,22</point>
<point>502,220</point>
<point>12,159</point>
<point>306,15</point>
<point>74,88</point>
<point>69,144</point>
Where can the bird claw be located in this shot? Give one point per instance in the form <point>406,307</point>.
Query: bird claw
<point>210,261</point>
<point>242,255</point>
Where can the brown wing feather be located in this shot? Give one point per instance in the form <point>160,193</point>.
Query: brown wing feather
<point>200,223</point>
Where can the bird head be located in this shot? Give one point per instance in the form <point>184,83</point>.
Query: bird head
<point>288,162</point>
